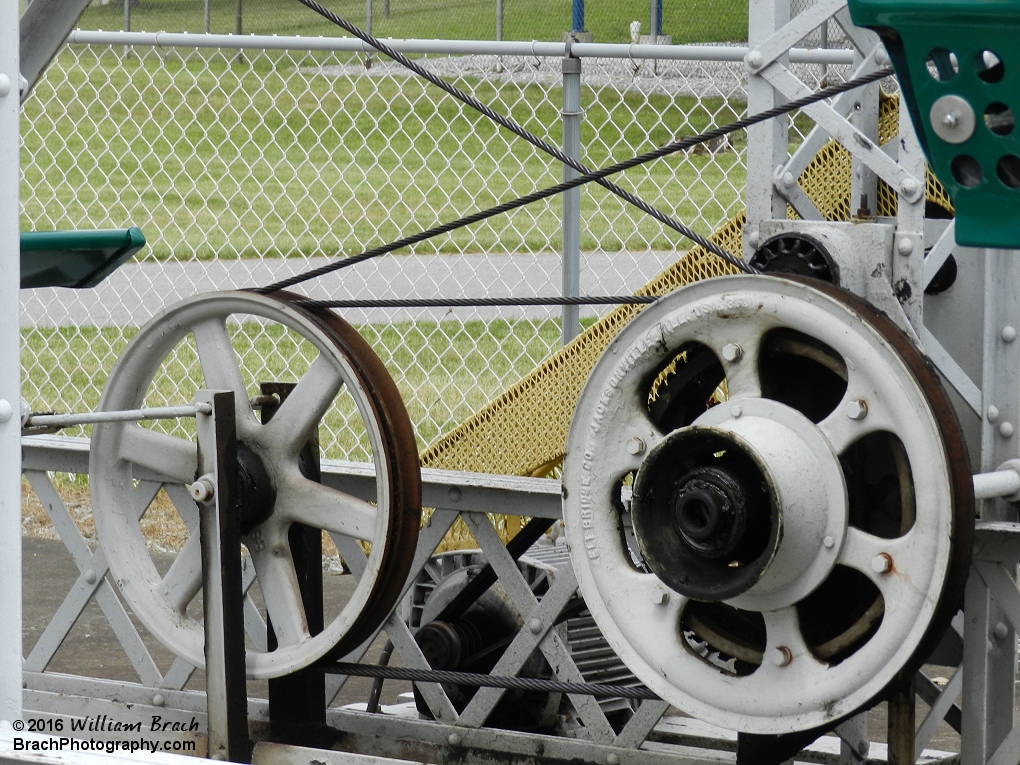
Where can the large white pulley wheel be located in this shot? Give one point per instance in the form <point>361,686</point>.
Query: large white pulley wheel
<point>236,340</point>
<point>768,502</point>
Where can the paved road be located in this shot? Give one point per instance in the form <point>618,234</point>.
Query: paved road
<point>138,290</point>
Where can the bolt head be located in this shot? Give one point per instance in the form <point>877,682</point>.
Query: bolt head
<point>993,413</point>
<point>829,542</point>
<point>882,563</point>
<point>454,739</point>
<point>1001,630</point>
<point>754,59</point>
<point>635,446</point>
<point>781,656</point>
<point>856,409</point>
<point>535,625</point>
<point>158,700</point>
<point>735,411</point>
<point>732,352</point>
<point>909,186</point>
<point>789,181</point>
<point>1008,334</point>
<point>90,576</point>
<point>1006,430</point>
<point>455,494</point>
<point>952,118</point>
<point>906,245</point>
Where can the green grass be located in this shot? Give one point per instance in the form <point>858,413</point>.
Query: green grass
<point>687,21</point>
<point>265,158</point>
<point>445,370</point>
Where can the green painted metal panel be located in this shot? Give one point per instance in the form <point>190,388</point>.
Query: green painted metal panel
<point>959,61</point>
<point>76,259</point>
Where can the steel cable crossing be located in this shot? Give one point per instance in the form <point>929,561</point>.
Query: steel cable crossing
<point>586,176</point>
<point>602,690</point>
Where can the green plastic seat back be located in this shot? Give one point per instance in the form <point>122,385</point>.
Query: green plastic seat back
<point>958,64</point>
<point>76,259</point>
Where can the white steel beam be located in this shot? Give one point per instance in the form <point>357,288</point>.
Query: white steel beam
<point>10,369</point>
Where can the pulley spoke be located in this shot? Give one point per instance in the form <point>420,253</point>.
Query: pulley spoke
<point>278,581</point>
<point>183,580</point>
<point>785,646</point>
<point>162,454</point>
<point>300,413</point>
<point>318,506</point>
<point>738,354</point>
<point>219,364</point>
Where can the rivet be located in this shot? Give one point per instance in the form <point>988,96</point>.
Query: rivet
<point>829,542</point>
<point>635,446</point>
<point>993,413</point>
<point>455,494</point>
<point>158,700</point>
<point>1006,430</point>
<point>6,410</point>
<point>789,181</point>
<point>659,597</point>
<point>882,563</point>
<point>736,411</point>
<point>535,625</point>
<point>5,85</point>
<point>881,57</point>
<point>781,655</point>
<point>856,409</point>
<point>754,59</point>
<point>732,352</point>
<point>90,576</point>
<point>909,187</point>
<point>1008,334</point>
<point>753,239</point>
<point>1000,631</point>
<point>454,739</point>
<point>905,246</point>
<point>612,759</point>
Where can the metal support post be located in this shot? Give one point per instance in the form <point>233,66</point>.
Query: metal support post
<point>298,701</point>
<point>499,18</point>
<point>10,371</point>
<point>767,142</point>
<point>571,199</point>
<point>577,16</point>
<point>655,19</point>
<point>908,244</point>
<point>901,725</point>
<point>368,28</point>
<point>989,650</point>
<point>220,534</point>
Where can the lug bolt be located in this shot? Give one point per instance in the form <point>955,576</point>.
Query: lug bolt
<point>659,597</point>
<point>203,489</point>
<point>732,352</point>
<point>882,563</point>
<point>635,446</point>
<point>857,409</point>
<point>781,655</point>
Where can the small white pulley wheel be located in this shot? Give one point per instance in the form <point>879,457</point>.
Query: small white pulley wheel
<point>803,501</point>
<point>338,376</point>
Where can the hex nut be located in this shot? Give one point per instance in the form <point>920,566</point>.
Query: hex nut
<point>882,563</point>
<point>856,409</point>
<point>635,446</point>
<point>732,352</point>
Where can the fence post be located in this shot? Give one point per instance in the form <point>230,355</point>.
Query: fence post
<point>577,20</point>
<point>10,369</point>
<point>655,20</point>
<point>499,19</point>
<point>571,198</point>
<point>206,19</point>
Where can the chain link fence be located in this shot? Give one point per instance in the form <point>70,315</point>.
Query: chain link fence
<point>246,166</point>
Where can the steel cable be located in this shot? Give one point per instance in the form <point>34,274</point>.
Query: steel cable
<point>602,690</point>
<point>580,180</point>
